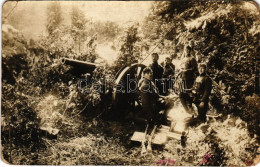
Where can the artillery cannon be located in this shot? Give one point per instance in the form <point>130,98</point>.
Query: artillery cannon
<point>123,95</point>
<point>81,66</point>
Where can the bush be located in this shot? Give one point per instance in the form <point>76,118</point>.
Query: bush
<point>20,124</point>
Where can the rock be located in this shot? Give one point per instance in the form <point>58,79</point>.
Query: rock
<point>49,132</point>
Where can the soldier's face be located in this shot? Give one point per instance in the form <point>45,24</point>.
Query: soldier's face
<point>155,58</point>
<point>128,61</point>
<point>202,70</point>
<point>148,76</point>
<point>187,52</point>
<point>168,61</point>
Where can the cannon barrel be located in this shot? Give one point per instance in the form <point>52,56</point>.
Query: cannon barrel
<point>82,65</point>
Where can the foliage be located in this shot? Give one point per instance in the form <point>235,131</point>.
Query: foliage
<point>129,51</point>
<point>20,121</point>
<point>107,31</point>
<point>31,69</point>
<point>20,125</point>
<point>78,30</point>
<point>218,158</point>
<point>250,113</point>
<point>54,17</point>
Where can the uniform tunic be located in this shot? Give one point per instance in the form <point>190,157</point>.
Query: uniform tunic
<point>157,70</point>
<point>189,75</point>
<point>157,75</point>
<point>149,98</point>
<point>202,87</point>
<point>169,70</point>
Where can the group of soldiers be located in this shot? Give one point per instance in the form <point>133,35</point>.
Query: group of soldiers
<point>196,90</point>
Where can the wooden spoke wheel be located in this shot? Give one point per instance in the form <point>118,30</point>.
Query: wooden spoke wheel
<point>125,96</point>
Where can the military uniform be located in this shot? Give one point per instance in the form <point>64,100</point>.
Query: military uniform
<point>157,75</point>
<point>149,100</point>
<point>157,70</point>
<point>191,70</point>
<point>169,70</point>
<point>188,77</point>
<point>168,74</point>
<point>202,88</point>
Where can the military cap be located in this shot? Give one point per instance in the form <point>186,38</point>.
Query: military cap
<point>202,65</point>
<point>147,70</point>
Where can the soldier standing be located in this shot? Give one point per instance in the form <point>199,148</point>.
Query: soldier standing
<point>188,76</point>
<point>157,71</point>
<point>151,106</point>
<point>202,89</point>
<point>149,97</point>
<point>168,74</point>
<point>169,68</point>
<point>190,69</point>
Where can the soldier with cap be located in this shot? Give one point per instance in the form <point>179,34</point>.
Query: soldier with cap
<point>151,107</point>
<point>150,98</point>
<point>168,74</point>
<point>157,71</point>
<point>188,76</point>
<point>169,68</point>
<point>201,90</point>
<point>190,68</point>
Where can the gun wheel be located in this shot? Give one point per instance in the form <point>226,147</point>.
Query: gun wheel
<point>125,96</point>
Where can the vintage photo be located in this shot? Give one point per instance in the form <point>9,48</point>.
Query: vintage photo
<point>133,83</point>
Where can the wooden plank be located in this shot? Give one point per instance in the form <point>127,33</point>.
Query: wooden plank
<point>159,138</point>
<point>164,128</point>
<point>138,136</point>
<point>173,135</point>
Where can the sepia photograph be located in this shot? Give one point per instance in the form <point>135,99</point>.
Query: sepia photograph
<point>130,83</point>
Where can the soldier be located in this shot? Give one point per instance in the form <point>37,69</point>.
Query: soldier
<point>201,90</point>
<point>151,105</point>
<point>190,68</point>
<point>168,74</point>
<point>188,76</point>
<point>157,71</point>
<point>149,97</point>
<point>168,69</point>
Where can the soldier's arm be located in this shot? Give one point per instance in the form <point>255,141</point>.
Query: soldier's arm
<point>173,68</point>
<point>207,90</point>
<point>146,98</point>
<point>156,95</point>
<point>161,70</point>
<point>196,67</point>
